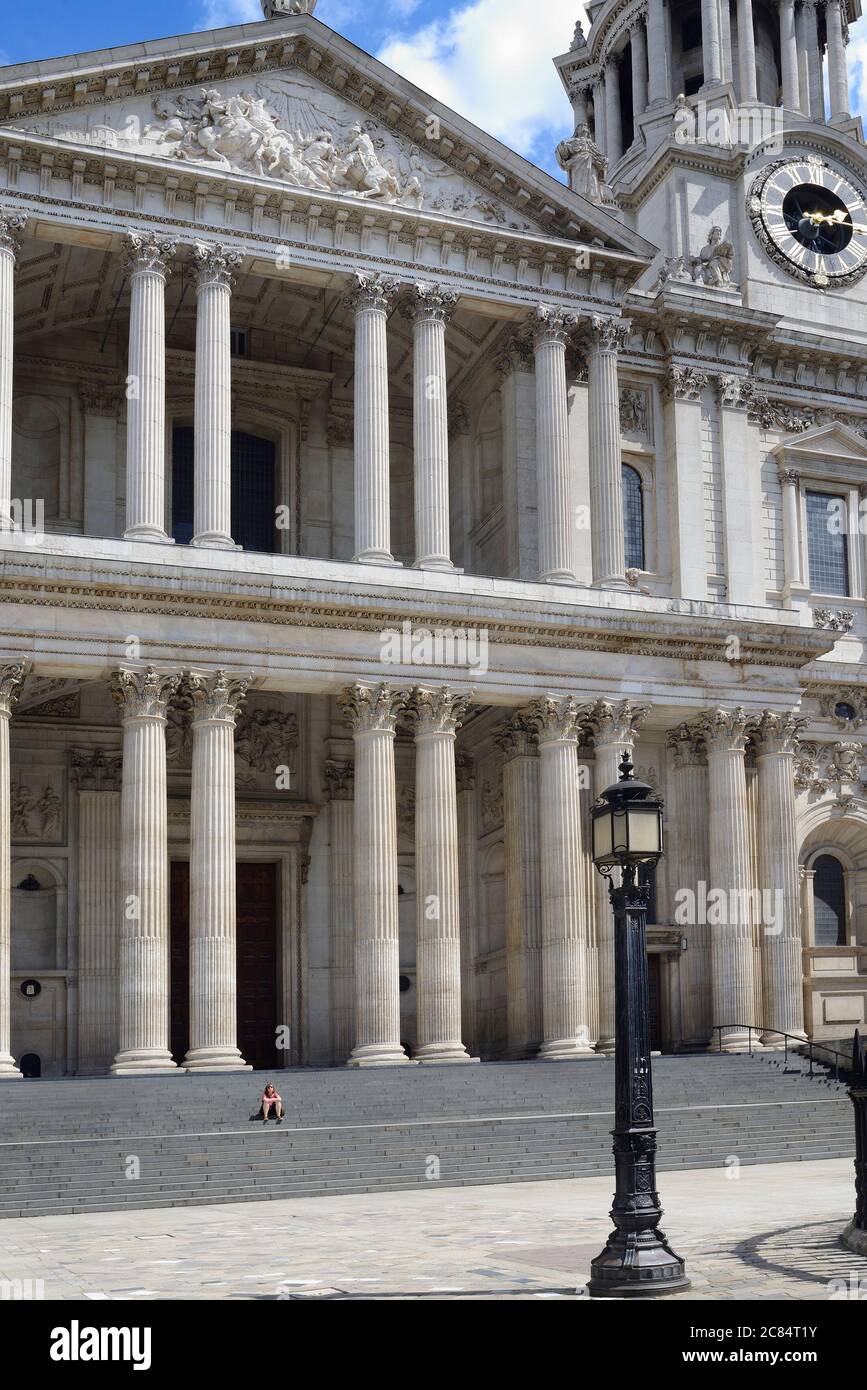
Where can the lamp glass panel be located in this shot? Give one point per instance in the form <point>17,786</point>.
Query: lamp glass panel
<point>621,833</point>
<point>644,831</point>
<point>602,840</point>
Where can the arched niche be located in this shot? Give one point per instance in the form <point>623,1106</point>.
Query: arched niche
<point>39,901</point>
<point>40,450</point>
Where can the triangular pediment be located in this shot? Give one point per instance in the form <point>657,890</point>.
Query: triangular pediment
<point>278,87</point>
<point>832,440</point>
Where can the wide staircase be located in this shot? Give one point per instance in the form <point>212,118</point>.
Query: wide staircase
<point>104,1144</point>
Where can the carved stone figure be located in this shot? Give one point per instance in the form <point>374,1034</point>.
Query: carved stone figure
<point>713,264</point>
<point>585,164</point>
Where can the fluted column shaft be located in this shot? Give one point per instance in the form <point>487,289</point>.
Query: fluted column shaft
<point>789,485</point>
<point>371,298</point>
<point>657,57</point>
<point>613,118</point>
<point>638,45</point>
<point>436,715</point>
<point>11,227</point>
<point>565,1004</point>
<point>556,522</point>
<point>606,338</point>
<point>212,506</point>
<point>814,106</point>
<point>746,51</point>
<point>687,869</point>
<point>711,42</point>
<point>468,837</point>
<point>730,872</point>
<point>782,945</point>
<point>146,265</point>
<point>837,72</point>
<point>431,309</point>
<point>789,56</point>
<point>523,888</point>
<point>341,783</point>
<point>100,906</point>
<point>213,934</point>
<point>372,712</point>
<point>142,697</point>
<point>11,680</point>
<point>615,725</point>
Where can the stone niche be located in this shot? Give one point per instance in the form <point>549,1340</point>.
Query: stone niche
<point>40,449</point>
<point>38,913</point>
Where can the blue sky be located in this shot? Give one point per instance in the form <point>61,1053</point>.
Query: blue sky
<point>489,59</point>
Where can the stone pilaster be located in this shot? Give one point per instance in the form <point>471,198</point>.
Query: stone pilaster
<point>100,905</point>
<point>615,725</point>
<point>518,741</point>
<point>372,713</point>
<point>688,868</point>
<point>468,839</point>
<point>371,298</point>
<point>724,734</point>
<point>340,781</point>
<point>11,227</point>
<point>775,737</point>
<point>216,267</point>
<point>556,519</point>
<point>11,680</point>
<point>436,715</point>
<point>607,337</point>
<point>146,264</point>
<point>217,699</point>
<point>142,697</point>
<point>565,1005</point>
<point>430,309</point>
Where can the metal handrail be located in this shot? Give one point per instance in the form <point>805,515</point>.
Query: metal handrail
<point>800,1045</point>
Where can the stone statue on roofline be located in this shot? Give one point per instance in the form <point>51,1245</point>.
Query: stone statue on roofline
<point>272,9</point>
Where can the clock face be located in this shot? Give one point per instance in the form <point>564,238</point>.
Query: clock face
<point>812,221</point>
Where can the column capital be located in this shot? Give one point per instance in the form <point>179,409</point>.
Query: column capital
<point>96,770</point>
<point>686,744</point>
<point>789,477</point>
<point>372,708</point>
<point>777,733</point>
<point>638,20</point>
<point>551,324</point>
<point>429,303</point>
<point>12,225</point>
<point>723,730</point>
<point>555,720</point>
<point>368,292</point>
<point>616,722</point>
<point>611,66</point>
<point>100,398</point>
<point>608,334</point>
<point>465,772</point>
<point>516,354</point>
<point>684,384</point>
<point>11,680</point>
<point>215,264</point>
<point>517,737</point>
<point>147,253</point>
<point>340,779</point>
<point>438,711</point>
<point>217,696</point>
<point>730,391</point>
<point>142,694</point>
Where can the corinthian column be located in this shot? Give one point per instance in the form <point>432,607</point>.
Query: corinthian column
<point>217,699</point>
<point>212,504</point>
<point>431,309</point>
<point>687,869</point>
<point>11,227</point>
<point>613,118</point>
<point>837,73</point>
<point>100,906</point>
<point>813,105</point>
<point>340,779</point>
<point>142,697</point>
<point>468,841</point>
<point>372,713</point>
<point>436,715</point>
<point>146,264</point>
<point>565,1002</point>
<point>789,56</point>
<point>523,886</point>
<point>724,733</point>
<point>659,90</point>
<point>614,730</point>
<point>556,521</point>
<point>775,737</point>
<point>711,43</point>
<point>638,48</point>
<point>371,299</point>
<point>746,50</point>
<point>11,680</point>
<point>607,337</point>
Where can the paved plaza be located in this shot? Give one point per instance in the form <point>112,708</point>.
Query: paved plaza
<point>771,1232</point>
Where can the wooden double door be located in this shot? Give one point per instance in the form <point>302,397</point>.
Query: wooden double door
<point>257,963</point>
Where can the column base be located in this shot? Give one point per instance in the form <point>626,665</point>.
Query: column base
<point>214,540</point>
<point>736,1042</point>
<point>853,1238</point>
<point>613,581</point>
<point>564,1050</point>
<point>442,1053</point>
<point>377,557</point>
<point>558,577</point>
<point>215,1059</point>
<point>8,1069</point>
<point>153,534</point>
<point>605,1047</point>
<point>772,1042</point>
<point>379,1055</point>
<point>438,563</point>
<point>144,1062</point>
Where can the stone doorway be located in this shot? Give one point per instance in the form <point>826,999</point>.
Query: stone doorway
<point>257,962</point>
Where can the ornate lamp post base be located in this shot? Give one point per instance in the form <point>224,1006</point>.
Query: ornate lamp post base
<point>641,1265</point>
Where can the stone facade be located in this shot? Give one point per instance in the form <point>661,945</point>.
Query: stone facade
<point>328,606</point>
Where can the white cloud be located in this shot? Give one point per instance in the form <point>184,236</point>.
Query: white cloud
<point>858,67</point>
<point>216,14</point>
<point>491,61</point>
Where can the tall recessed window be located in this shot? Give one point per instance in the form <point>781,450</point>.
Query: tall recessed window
<point>253,489</point>
<point>827,544</point>
<point>829,901</point>
<point>633,519</point>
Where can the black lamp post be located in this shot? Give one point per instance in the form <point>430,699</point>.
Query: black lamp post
<point>637,1262</point>
<point>858,1092</point>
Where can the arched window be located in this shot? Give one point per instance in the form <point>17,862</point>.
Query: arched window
<point>633,519</point>
<point>829,901</point>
